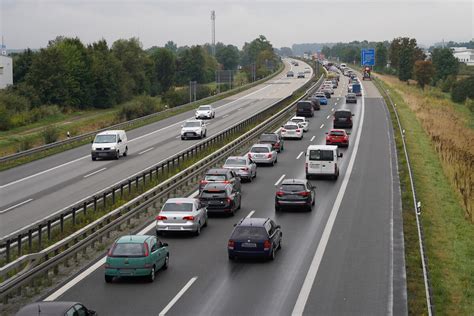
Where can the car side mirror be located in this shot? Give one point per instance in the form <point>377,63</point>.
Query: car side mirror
<point>278,226</point>
<point>352,114</point>
<point>234,225</point>
<point>165,244</point>
<point>119,141</point>
<point>339,155</point>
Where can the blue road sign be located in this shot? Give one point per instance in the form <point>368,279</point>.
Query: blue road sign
<point>367,57</point>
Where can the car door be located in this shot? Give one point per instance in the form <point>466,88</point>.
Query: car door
<point>235,195</point>
<point>310,187</point>
<point>200,213</point>
<point>328,158</point>
<point>271,234</point>
<point>235,179</point>
<point>276,234</point>
<point>155,253</point>
<point>252,166</point>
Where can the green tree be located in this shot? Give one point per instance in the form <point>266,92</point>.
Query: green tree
<point>424,72</point>
<point>21,65</point>
<point>326,51</point>
<point>463,89</point>
<point>445,63</point>
<point>381,54</point>
<point>191,65</point>
<point>405,68</point>
<point>286,52</point>
<point>171,46</point>
<point>165,68</point>
<point>228,56</point>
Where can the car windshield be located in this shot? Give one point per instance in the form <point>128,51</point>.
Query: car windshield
<point>128,250</point>
<point>236,161</point>
<point>177,207</point>
<point>192,124</point>
<point>259,150</point>
<point>214,194</point>
<point>292,187</point>
<point>290,126</point>
<point>269,138</point>
<point>337,133</point>
<point>321,155</point>
<point>304,105</point>
<point>215,177</point>
<point>342,114</point>
<point>320,96</point>
<point>243,232</point>
<point>102,139</point>
<point>204,108</point>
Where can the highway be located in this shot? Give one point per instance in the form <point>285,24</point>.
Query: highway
<point>32,191</point>
<point>346,257</point>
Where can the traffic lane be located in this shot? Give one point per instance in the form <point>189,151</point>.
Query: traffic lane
<point>208,252</point>
<point>356,272</point>
<point>34,167</point>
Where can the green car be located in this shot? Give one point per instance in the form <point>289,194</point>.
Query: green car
<point>136,255</point>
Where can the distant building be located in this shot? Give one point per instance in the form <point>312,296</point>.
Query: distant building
<point>464,55</point>
<point>6,71</point>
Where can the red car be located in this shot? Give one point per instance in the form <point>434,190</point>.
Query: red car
<point>337,137</point>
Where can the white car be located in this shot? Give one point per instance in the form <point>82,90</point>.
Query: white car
<point>181,215</point>
<point>205,112</point>
<point>263,154</point>
<point>291,130</point>
<point>302,121</point>
<point>193,129</point>
<point>110,144</point>
<point>307,70</point>
<point>328,87</point>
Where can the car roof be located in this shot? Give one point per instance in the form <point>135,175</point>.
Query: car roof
<point>46,308</point>
<point>343,110</point>
<point>217,171</point>
<point>269,134</point>
<point>337,130</point>
<point>322,147</point>
<point>205,105</point>
<point>298,117</point>
<point>236,157</point>
<point>112,132</point>
<point>181,200</point>
<point>291,123</point>
<point>253,221</point>
<point>133,239</point>
<point>294,181</point>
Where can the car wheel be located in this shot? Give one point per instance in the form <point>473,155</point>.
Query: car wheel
<point>151,277</point>
<point>167,262</point>
<point>126,152</point>
<point>277,209</point>
<point>117,155</point>
<point>250,179</point>
<point>272,255</point>
<point>279,243</point>
<point>276,160</point>
<point>93,158</point>
<point>273,162</point>
<point>205,133</point>
<point>108,278</point>
<point>183,138</point>
<point>158,233</point>
<point>205,223</point>
<point>240,204</point>
<point>255,174</point>
<point>198,230</point>
<point>308,177</point>
<point>231,257</point>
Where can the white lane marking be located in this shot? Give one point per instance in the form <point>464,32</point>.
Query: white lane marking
<point>96,265</point>
<point>147,150</point>
<point>299,156</point>
<point>337,99</point>
<point>332,109</point>
<point>16,205</point>
<point>250,214</point>
<point>93,173</point>
<point>239,109</point>
<point>322,125</point>
<point>312,138</point>
<point>178,296</point>
<point>335,104</point>
<point>225,116</point>
<point>327,117</point>
<point>132,140</point>
<point>300,304</point>
<point>279,180</point>
<point>179,136</point>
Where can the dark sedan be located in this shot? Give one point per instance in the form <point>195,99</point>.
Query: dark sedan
<point>296,194</point>
<point>223,198</point>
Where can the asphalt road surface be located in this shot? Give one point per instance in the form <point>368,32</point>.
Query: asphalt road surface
<point>33,191</point>
<point>346,257</point>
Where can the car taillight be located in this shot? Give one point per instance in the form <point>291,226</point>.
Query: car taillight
<point>283,130</point>
<point>280,193</point>
<point>304,193</point>
<point>249,155</point>
<point>229,200</point>
<point>298,130</point>
<point>231,244</point>
<point>276,145</point>
<point>266,245</point>
<point>161,218</point>
<point>226,182</point>
<point>147,252</point>
<point>269,155</point>
<point>244,169</point>
<point>328,138</point>
<point>346,138</point>
<point>203,182</point>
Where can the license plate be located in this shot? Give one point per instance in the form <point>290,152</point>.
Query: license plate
<point>215,202</point>
<point>189,134</point>
<point>343,119</point>
<point>314,165</point>
<point>249,245</point>
<point>259,156</point>
<point>102,154</point>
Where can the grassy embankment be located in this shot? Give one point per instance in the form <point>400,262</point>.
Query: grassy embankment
<point>439,136</point>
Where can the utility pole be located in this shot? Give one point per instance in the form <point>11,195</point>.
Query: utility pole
<point>213,32</point>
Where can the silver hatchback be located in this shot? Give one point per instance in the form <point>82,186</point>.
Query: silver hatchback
<point>181,215</point>
<point>243,167</point>
<point>263,154</point>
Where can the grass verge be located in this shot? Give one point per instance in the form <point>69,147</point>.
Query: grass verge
<point>448,235</point>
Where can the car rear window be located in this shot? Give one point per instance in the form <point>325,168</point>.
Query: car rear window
<point>259,150</point>
<point>304,105</point>
<point>242,232</point>
<point>293,187</point>
<point>177,207</point>
<point>215,177</point>
<point>290,126</point>
<point>321,155</point>
<point>128,250</point>
<point>297,120</point>
<point>342,114</point>
<point>337,133</point>
<point>269,138</point>
<point>214,194</point>
<point>236,161</point>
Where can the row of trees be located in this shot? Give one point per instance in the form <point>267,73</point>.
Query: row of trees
<point>68,73</point>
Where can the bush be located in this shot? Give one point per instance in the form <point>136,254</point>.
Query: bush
<point>463,89</point>
<point>447,84</point>
<point>176,97</point>
<point>25,144</point>
<point>5,122</point>
<point>140,106</point>
<point>50,134</point>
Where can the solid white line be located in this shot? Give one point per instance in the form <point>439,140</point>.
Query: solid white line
<point>299,156</point>
<point>322,125</point>
<point>318,255</point>
<point>328,116</point>
<point>147,150</point>
<point>279,180</point>
<point>93,173</point>
<point>250,214</point>
<point>14,206</point>
<point>312,138</point>
<point>178,296</point>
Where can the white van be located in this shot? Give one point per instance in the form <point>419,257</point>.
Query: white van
<point>109,144</point>
<point>321,160</point>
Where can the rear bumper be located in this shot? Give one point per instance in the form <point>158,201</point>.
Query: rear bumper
<point>180,227</point>
<point>190,135</point>
<point>262,160</point>
<point>118,272</point>
<point>249,254</point>
<point>351,101</point>
<point>342,124</point>
<point>294,136</point>
<point>340,144</point>
<point>290,203</point>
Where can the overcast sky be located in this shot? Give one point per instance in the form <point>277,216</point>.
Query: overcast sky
<point>31,23</point>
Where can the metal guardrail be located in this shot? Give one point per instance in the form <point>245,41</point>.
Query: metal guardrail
<point>47,260</point>
<point>126,124</point>
<point>424,258</point>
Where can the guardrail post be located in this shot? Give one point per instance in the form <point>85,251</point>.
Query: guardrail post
<point>40,228</point>
<point>121,190</point>
<point>144,180</point>
<point>73,216</point>
<point>18,243</point>
<point>129,186</point>
<point>49,229</point>
<point>95,203</point>
<point>104,199</point>
<point>136,182</point>
<point>30,234</point>
<point>61,220</point>
<point>113,196</point>
<point>7,250</point>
